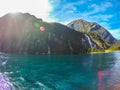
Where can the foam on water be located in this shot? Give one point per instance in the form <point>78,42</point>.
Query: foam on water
<point>5,83</point>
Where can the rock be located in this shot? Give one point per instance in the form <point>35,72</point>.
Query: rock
<point>98,34</point>
<point>21,33</point>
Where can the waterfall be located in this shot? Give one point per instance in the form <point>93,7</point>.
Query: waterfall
<point>83,41</point>
<point>90,43</point>
<point>49,49</point>
<point>69,44</point>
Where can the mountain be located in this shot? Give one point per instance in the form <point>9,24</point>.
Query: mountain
<point>117,43</point>
<point>96,32</point>
<point>20,33</point>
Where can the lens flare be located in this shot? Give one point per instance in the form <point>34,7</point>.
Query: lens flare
<point>42,28</point>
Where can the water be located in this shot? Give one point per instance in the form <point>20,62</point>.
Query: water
<point>5,83</point>
<point>62,72</point>
<point>88,40</point>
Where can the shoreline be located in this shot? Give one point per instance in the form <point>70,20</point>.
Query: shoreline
<point>104,52</point>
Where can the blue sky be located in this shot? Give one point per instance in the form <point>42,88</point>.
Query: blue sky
<point>104,12</point>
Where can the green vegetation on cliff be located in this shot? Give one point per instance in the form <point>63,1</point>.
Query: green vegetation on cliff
<point>98,34</point>
<point>112,48</point>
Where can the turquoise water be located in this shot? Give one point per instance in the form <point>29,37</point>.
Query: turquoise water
<point>62,72</point>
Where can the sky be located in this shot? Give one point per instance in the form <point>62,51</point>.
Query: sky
<point>104,12</point>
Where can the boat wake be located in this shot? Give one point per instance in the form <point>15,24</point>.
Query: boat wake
<point>5,83</point>
<point>18,82</point>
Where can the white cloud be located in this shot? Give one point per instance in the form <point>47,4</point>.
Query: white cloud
<point>98,17</point>
<point>115,33</point>
<point>67,8</point>
<point>98,8</point>
<point>94,14</point>
<point>39,8</point>
<point>105,25</point>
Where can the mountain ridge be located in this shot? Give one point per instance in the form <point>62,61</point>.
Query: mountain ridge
<point>92,28</point>
<point>20,33</point>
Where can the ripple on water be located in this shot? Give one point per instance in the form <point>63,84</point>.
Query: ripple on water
<point>5,83</point>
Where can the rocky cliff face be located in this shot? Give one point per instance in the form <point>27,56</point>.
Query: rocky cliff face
<point>117,43</point>
<point>96,32</point>
<point>21,33</point>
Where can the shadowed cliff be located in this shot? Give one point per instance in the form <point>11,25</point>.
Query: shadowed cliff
<point>20,33</point>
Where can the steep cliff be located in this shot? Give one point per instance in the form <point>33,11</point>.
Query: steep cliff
<point>96,32</point>
<point>20,33</point>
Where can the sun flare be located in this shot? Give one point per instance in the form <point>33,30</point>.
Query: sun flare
<point>39,8</point>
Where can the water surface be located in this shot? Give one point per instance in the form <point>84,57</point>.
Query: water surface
<point>62,72</point>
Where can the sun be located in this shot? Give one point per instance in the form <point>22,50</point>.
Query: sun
<point>39,8</point>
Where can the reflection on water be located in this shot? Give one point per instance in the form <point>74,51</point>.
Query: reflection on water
<point>65,72</point>
<point>114,77</point>
<point>110,79</point>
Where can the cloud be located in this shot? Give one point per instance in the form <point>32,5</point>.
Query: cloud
<point>71,11</point>
<point>115,33</point>
<point>100,12</point>
<point>65,9</point>
<point>99,8</point>
<point>98,17</point>
<point>39,8</point>
<point>94,13</point>
<point>102,19</point>
<point>105,25</point>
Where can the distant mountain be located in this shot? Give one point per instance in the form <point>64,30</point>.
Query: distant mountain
<point>20,33</point>
<point>96,32</point>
